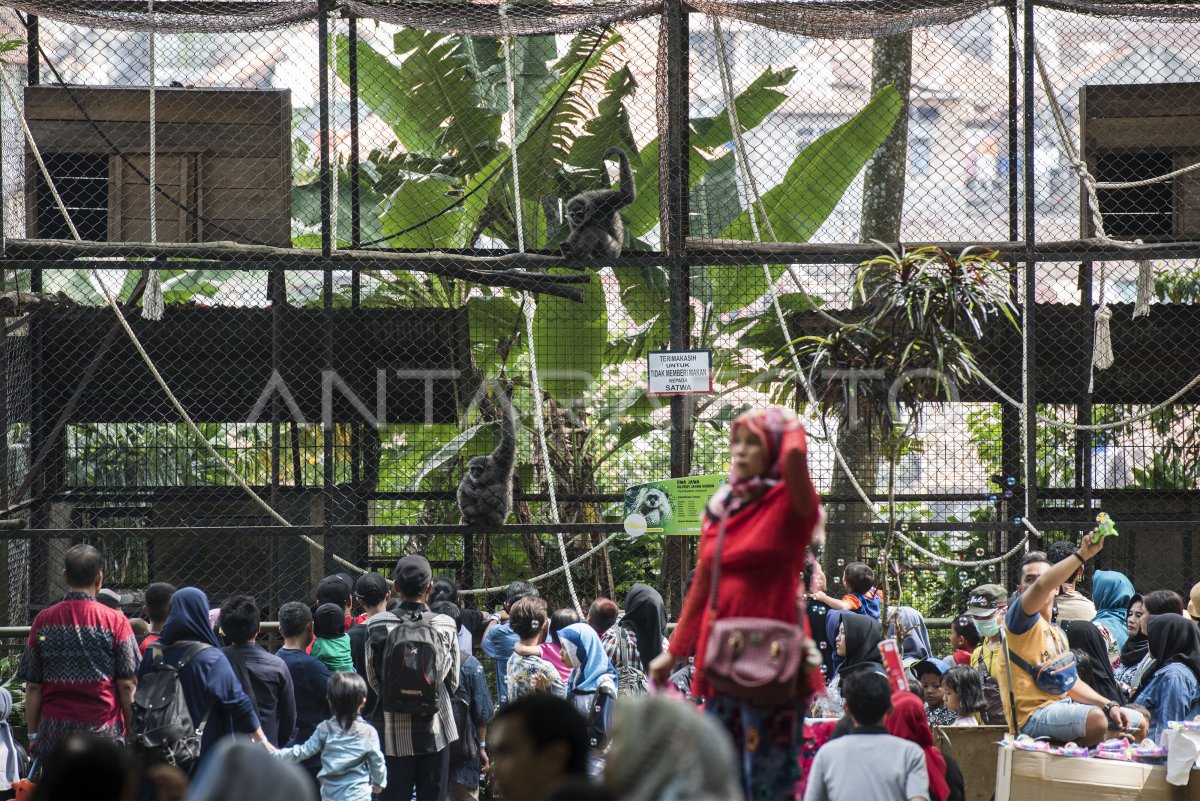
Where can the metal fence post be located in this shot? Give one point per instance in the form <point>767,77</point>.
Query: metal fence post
<point>673,178</point>
<point>1030,312</point>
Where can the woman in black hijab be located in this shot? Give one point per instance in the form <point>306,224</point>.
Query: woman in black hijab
<point>646,616</point>
<point>1084,635</point>
<point>1171,690</point>
<point>856,640</point>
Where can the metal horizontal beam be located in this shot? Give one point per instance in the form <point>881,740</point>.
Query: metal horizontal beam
<point>525,528</point>
<point>30,253</point>
<point>149,494</point>
<point>727,252</point>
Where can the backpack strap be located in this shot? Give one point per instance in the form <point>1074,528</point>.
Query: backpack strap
<point>242,670</point>
<point>158,649</point>
<point>188,655</point>
<point>191,652</point>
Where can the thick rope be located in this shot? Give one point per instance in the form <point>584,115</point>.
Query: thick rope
<point>152,299</point>
<point>528,310</point>
<point>1122,423</point>
<point>551,573</point>
<point>98,283</point>
<point>539,422</point>
<point>331,68</point>
<point>512,124</point>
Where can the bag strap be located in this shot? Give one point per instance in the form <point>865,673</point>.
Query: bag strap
<point>716,573</point>
<point>242,670</point>
<point>1012,700</point>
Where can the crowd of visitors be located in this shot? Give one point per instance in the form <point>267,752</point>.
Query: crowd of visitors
<point>379,688</point>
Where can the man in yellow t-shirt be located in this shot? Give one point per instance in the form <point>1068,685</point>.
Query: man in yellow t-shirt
<point>1081,715</point>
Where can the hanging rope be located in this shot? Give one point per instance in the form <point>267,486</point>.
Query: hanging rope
<point>153,305</point>
<point>595,549</point>
<point>331,67</point>
<point>98,283</point>
<point>512,124</point>
<point>753,196</point>
<point>528,310</point>
<point>539,421</point>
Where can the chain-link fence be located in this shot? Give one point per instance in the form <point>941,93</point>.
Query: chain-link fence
<point>274,272</point>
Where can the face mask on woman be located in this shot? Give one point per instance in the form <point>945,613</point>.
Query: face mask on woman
<point>988,628</point>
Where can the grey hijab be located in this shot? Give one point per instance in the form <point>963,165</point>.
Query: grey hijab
<point>666,750</point>
<point>9,756</point>
<point>238,770</point>
<point>910,625</point>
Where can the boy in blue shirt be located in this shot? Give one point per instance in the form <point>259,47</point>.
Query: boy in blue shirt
<point>861,595</point>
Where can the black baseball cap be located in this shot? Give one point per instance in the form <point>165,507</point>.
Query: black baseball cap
<point>333,590</point>
<point>372,588</point>
<point>414,573</point>
<point>985,600</point>
<point>330,621</point>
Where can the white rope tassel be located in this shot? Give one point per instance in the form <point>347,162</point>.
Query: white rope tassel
<point>1102,353</point>
<point>1145,288</point>
<point>153,305</point>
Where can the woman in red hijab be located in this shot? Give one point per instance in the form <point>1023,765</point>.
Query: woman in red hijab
<point>907,720</point>
<point>768,508</point>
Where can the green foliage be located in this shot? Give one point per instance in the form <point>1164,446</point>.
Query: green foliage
<point>923,311</point>
<point>1181,285</point>
<point>799,205</point>
<point>1166,471</point>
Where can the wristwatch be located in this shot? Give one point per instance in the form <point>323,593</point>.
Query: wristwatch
<point>1109,707</point>
<point>483,744</point>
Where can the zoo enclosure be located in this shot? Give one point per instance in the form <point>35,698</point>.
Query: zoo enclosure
<point>315,195</point>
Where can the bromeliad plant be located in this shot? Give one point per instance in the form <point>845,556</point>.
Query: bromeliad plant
<point>921,314</point>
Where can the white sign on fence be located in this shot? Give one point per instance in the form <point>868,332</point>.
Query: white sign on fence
<point>679,372</point>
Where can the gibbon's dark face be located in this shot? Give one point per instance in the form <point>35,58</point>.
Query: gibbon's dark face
<point>651,501</point>
<point>577,212</point>
<point>477,466</point>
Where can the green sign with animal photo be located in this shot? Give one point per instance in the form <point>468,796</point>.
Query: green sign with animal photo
<point>670,507</point>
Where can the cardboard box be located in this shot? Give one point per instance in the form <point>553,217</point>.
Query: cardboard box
<point>1033,776</point>
<point>974,748</point>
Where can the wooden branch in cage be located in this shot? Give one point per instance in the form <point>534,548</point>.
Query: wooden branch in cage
<point>523,271</point>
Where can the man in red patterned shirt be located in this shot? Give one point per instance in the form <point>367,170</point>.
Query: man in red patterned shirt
<point>80,662</point>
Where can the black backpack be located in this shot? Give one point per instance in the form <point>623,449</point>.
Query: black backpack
<point>163,729</point>
<point>466,747</point>
<point>408,678</point>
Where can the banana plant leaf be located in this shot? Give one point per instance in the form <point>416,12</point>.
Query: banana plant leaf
<point>798,206</point>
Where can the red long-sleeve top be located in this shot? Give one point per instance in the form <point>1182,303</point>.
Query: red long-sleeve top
<point>762,559</point>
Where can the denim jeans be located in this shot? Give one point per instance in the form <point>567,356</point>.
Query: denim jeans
<point>1066,721</point>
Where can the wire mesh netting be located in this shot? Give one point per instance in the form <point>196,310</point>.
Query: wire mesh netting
<point>339,236</point>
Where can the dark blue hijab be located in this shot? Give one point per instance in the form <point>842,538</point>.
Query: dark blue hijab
<point>188,619</point>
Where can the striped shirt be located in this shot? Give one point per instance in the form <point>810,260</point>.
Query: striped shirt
<point>409,735</point>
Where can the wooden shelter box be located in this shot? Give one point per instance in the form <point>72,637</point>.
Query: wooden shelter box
<point>223,165</point>
<point>1132,132</point>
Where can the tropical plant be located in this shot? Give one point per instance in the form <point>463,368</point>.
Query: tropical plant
<point>922,312</point>
<point>447,183</point>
